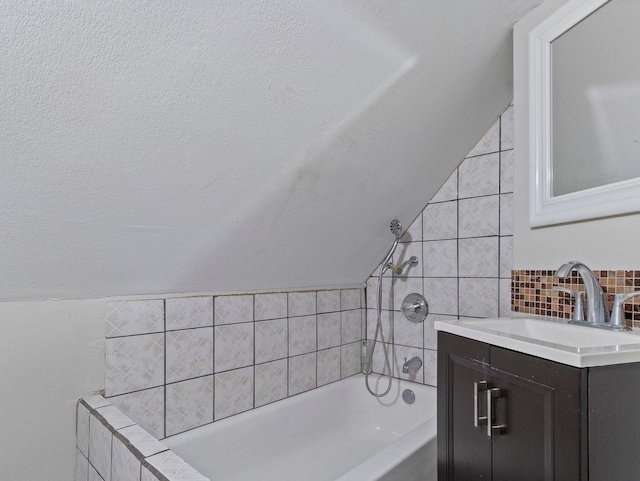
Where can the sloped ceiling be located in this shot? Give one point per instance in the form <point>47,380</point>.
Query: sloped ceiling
<point>220,146</point>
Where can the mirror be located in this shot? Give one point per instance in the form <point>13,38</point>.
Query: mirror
<point>585,112</point>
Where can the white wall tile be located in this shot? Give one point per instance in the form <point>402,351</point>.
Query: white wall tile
<point>379,361</point>
<point>349,299</point>
<point>302,335</point>
<point>328,366</point>
<point>188,312</point>
<point>479,176</point>
<point>82,467</point>
<point>189,404</point>
<point>506,129</point>
<point>302,303</point>
<point>126,318</point>
<point>506,171</point>
<point>505,298</point>
<point>233,309</point>
<point>402,286</point>
<point>302,373</point>
<point>407,333</point>
<point>442,295</point>
<point>506,257</point>
<point>189,354</point>
<point>144,443</point>
<point>172,467</point>
<point>478,217</point>
<point>329,330</point>
<point>478,257</point>
<point>404,252</point>
<point>147,475</point>
<point>82,429</point>
<point>134,363</point>
<point>100,448</point>
<point>271,382</point>
<point>403,354</point>
<point>328,301</point>
<point>414,232</point>
<point>440,221</point>
<point>270,306</point>
<point>430,334</point>
<point>234,392</point>
<point>489,143</point>
<point>233,346</point>
<point>440,258</point>
<point>350,359</point>
<point>146,408</point>
<point>115,417</point>
<point>479,297</point>
<point>124,465</point>
<point>386,318</point>
<point>96,401</point>
<point>372,292</point>
<point>93,474</point>
<point>449,190</point>
<point>351,326</point>
<point>430,360</point>
<point>506,214</point>
<point>271,340</point>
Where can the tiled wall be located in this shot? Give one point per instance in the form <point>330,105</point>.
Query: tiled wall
<point>111,447</point>
<point>178,363</point>
<point>464,241</point>
<point>533,292</point>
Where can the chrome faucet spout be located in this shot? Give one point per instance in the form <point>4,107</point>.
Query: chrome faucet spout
<point>597,312</point>
<point>412,364</point>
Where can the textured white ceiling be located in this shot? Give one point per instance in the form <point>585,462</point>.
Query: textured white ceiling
<point>218,146</point>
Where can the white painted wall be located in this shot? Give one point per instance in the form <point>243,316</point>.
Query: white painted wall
<point>51,354</point>
<point>609,243</point>
<point>156,147</point>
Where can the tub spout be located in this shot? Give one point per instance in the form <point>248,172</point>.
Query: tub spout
<point>412,365</point>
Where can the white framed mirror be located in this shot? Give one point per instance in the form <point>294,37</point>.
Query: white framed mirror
<point>584,108</point>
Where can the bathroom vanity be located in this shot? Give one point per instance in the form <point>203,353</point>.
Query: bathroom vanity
<point>532,400</point>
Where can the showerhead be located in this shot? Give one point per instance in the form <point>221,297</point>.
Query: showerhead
<point>396,227</point>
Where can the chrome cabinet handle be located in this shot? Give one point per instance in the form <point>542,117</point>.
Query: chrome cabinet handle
<point>492,394</point>
<point>477,388</point>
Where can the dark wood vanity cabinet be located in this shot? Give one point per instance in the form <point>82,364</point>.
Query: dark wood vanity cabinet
<point>548,421</point>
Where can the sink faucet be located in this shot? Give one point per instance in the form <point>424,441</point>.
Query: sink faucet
<point>597,313</point>
<point>412,364</point>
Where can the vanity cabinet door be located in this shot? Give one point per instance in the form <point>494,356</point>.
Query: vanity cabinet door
<point>537,404</point>
<point>539,430</point>
<point>464,450</point>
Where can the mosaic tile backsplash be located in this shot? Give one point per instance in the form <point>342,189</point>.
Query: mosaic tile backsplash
<point>464,242</point>
<point>532,292</point>
<point>179,363</point>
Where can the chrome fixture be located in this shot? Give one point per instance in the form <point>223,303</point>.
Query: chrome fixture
<point>578,303</point>
<point>408,396</point>
<point>412,365</point>
<point>617,313</point>
<point>597,313</point>
<point>387,263</point>
<point>412,262</point>
<point>415,308</point>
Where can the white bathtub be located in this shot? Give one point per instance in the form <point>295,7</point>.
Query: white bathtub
<point>337,432</point>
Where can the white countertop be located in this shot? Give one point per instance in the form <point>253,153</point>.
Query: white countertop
<point>555,340</point>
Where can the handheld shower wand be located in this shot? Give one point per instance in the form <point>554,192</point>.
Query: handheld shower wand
<point>396,229</point>
<point>387,263</point>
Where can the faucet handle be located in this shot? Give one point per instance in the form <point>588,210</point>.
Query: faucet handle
<point>617,314</point>
<point>578,306</point>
